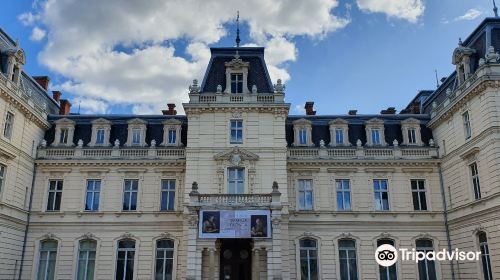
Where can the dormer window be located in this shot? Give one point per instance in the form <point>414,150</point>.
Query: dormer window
<point>136,136</point>
<point>172,132</point>
<point>64,136</point>
<point>339,129</point>
<point>136,133</point>
<point>101,129</point>
<point>375,132</point>
<point>100,136</point>
<point>236,83</point>
<point>410,129</point>
<point>302,131</point>
<point>65,129</point>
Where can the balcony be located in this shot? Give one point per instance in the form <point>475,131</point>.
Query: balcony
<point>236,98</point>
<point>111,153</point>
<point>363,153</point>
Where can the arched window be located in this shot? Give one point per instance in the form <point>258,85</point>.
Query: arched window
<point>308,259</point>
<point>47,260</point>
<point>426,268</point>
<point>485,255</point>
<point>86,259</point>
<point>125,260</point>
<point>348,259</point>
<point>164,259</point>
<point>387,273</point>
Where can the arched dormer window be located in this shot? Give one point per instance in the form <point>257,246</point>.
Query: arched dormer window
<point>375,132</point>
<point>237,76</point>
<point>65,129</point>
<point>15,61</point>
<point>462,61</point>
<point>136,133</point>
<point>302,133</point>
<point>410,129</point>
<point>101,129</point>
<point>172,133</point>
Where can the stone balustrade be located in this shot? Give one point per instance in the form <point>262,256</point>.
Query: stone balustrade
<point>363,153</point>
<point>236,98</point>
<point>110,153</point>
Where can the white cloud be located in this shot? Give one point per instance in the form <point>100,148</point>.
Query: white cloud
<point>124,52</point>
<point>37,34</point>
<point>470,15</point>
<point>299,109</point>
<point>409,10</point>
<point>89,106</point>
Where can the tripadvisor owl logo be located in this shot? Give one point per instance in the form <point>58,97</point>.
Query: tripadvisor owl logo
<point>386,255</point>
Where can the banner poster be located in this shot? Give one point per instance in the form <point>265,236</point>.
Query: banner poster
<point>234,224</point>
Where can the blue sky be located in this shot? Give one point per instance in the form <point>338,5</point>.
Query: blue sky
<point>129,57</point>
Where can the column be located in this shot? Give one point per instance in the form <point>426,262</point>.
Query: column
<point>193,271</point>
<point>211,256</point>
<point>256,264</point>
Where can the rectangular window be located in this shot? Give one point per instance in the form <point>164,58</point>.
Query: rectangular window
<point>303,136</point>
<point>236,83</point>
<point>348,260</point>
<point>136,136</point>
<point>92,195</point>
<point>236,132</point>
<point>167,195</point>
<point>9,124</point>
<point>426,267</point>
<point>485,256</point>
<point>412,136</point>
<point>55,195</point>
<point>418,195</point>
<point>305,193</point>
<point>63,139</point>
<point>130,192</point>
<point>2,176</point>
<point>387,272</point>
<point>467,128</point>
<point>47,261</point>
<point>343,194</point>
<point>172,136</point>
<point>86,260</point>
<point>308,259</point>
<point>475,180</point>
<point>99,137</point>
<point>236,180</point>
<point>381,192</point>
<point>339,136</point>
<point>375,136</point>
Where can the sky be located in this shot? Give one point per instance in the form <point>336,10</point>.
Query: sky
<point>133,56</point>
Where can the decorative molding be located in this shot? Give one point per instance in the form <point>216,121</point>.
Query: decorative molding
<point>127,235</point>
<point>236,154</point>
<point>88,235</point>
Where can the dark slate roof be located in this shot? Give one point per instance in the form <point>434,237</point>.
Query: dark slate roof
<point>257,72</point>
<point>83,127</point>
<point>31,87</point>
<point>392,123</point>
<point>488,30</point>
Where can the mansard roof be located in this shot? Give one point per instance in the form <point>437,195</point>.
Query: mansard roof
<point>257,71</point>
<point>119,126</point>
<point>356,127</point>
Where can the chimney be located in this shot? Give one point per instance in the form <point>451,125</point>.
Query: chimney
<point>56,95</point>
<point>388,111</point>
<point>43,81</point>
<point>352,112</point>
<point>64,107</point>
<point>171,110</point>
<point>310,108</point>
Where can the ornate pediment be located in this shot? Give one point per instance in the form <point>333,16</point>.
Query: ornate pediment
<point>101,121</point>
<point>338,121</point>
<point>64,121</point>
<point>410,121</point>
<point>236,155</point>
<point>172,121</point>
<point>137,121</point>
<point>375,122</point>
<point>302,121</point>
<point>237,63</point>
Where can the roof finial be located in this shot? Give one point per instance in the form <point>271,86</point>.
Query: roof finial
<point>460,41</point>
<point>238,29</point>
<point>495,9</point>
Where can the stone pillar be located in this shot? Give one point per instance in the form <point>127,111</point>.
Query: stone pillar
<point>255,264</point>
<point>274,259</point>
<point>211,256</point>
<point>194,255</point>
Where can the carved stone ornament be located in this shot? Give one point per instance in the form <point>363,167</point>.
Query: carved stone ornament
<point>385,235</point>
<point>88,235</point>
<point>235,159</point>
<point>254,89</point>
<point>219,89</point>
<point>482,62</point>
<point>346,235</point>
<point>153,143</point>
<point>279,87</point>
<point>117,143</point>
<point>194,88</point>
<point>395,143</point>
<point>49,235</point>
<point>276,221</point>
<point>448,92</point>
<point>43,143</point>
<point>193,221</point>
<point>80,143</point>
<point>127,235</point>
<point>236,114</point>
<point>165,235</point>
<point>358,143</point>
<point>491,56</point>
<point>307,234</point>
<point>431,142</point>
<point>322,143</point>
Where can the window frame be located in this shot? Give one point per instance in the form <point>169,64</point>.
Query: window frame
<point>467,125</point>
<point>426,261</point>
<point>475,180</point>
<point>124,191</point>
<point>483,246</point>
<point>77,264</point>
<point>391,242</point>
<point>117,252</point>
<point>381,191</point>
<point>309,259</point>
<point>305,207</point>
<point>94,192</point>
<point>343,191</point>
<point>237,129</point>
<point>39,248</point>
<point>55,192</point>
<point>8,128</point>
<point>375,136</point>
<point>174,257</point>
<point>100,136</point>
<point>237,82</point>
<point>235,180</point>
<point>3,175</point>
<point>356,252</point>
<point>412,136</point>
<point>419,192</point>
<point>172,140</point>
<point>169,191</point>
<point>64,136</point>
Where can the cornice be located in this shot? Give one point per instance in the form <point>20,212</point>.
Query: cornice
<point>362,163</point>
<point>107,163</point>
<point>25,109</point>
<point>276,108</point>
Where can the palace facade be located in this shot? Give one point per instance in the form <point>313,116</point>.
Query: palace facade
<point>240,189</point>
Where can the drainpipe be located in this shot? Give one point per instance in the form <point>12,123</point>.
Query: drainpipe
<point>28,221</point>
<point>445,208</point>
